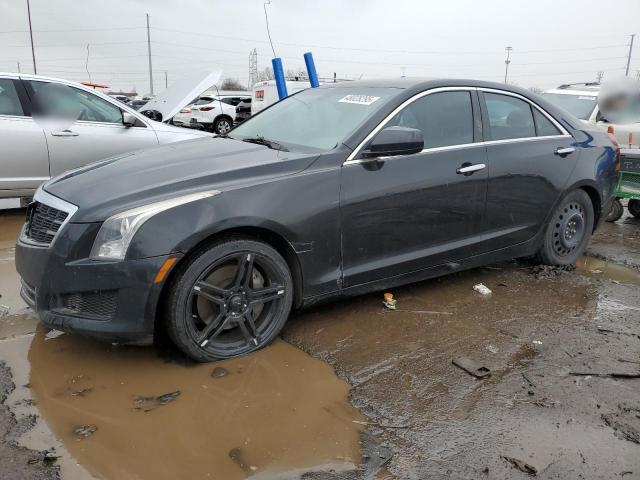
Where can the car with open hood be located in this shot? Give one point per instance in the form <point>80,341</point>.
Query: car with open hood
<point>338,190</point>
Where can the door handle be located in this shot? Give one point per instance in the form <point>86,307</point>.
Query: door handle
<point>564,151</point>
<point>469,169</point>
<point>64,133</point>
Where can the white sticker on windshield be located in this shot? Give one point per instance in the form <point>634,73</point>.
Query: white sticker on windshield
<point>582,97</point>
<point>360,99</point>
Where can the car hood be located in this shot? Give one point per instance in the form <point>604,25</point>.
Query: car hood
<point>133,179</point>
<point>180,93</point>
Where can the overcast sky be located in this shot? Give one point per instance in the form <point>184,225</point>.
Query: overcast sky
<point>554,41</point>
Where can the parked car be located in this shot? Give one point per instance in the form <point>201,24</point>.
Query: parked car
<point>243,110</point>
<point>333,191</point>
<point>581,100</point>
<point>138,104</point>
<point>122,98</point>
<point>266,93</point>
<point>211,113</point>
<point>33,151</point>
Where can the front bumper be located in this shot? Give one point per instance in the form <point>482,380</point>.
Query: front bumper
<point>115,301</point>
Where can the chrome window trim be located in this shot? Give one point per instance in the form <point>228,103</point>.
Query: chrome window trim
<point>352,161</point>
<point>51,201</point>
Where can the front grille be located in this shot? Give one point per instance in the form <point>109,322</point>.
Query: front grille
<point>43,222</point>
<point>98,304</point>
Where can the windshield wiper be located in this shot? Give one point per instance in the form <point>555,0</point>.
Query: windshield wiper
<point>267,143</point>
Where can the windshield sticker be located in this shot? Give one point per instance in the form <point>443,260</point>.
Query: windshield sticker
<point>360,99</point>
<point>582,97</point>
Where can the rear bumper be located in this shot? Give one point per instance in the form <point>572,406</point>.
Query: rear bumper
<point>114,301</point>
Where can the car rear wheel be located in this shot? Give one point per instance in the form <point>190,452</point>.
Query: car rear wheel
<point>568,231</point>
<point>634,208</point>
<point>229,300</point>
<point>222,125</point>
<point>617,210</point>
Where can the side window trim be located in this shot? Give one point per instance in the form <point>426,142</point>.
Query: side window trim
<point>550,117</point>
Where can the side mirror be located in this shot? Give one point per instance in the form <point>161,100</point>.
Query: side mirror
<point>392,141</point>
<point>128,120</point>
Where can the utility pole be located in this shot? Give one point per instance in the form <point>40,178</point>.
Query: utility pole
<point>149,50</point>
<point>253,68</point>
<point>630,52</point>
<point>18,66</point>
<point>33,51</point>
<point>166,79</point>
<point>507,62</point>
<point>599,76</point>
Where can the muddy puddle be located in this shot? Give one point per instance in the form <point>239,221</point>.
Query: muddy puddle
<point>128,413</point>
<point>601,269</point>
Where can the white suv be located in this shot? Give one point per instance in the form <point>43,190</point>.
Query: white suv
<point>214,113</point>
<point>581,100</point>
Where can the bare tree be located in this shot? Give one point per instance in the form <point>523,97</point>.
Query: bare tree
<point>266,74</point>
<point>232,84</point>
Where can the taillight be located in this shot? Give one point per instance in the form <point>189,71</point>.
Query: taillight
<point>185,110</point>
<point>206,109</point>
<point>614,140</point>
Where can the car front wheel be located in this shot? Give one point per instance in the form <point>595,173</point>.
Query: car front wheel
<point>229,300</point>
<point>568,232</point>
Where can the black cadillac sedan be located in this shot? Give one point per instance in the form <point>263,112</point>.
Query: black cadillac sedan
<point>334,191</point>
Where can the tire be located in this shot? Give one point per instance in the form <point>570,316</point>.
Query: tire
<point>568,232</point>
<point>228,299</point>
<point>222,125</point>
<point>617,210</point>
<point>634,208</point>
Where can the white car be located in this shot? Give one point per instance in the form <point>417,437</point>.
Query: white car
<point>36,148</point>
<point>581,100</point>
<point>213,113</point>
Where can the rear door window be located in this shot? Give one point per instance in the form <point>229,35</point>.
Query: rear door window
<point>509,117</point>
<point>445,118</point>
<point>9,100</point>
<point>544,127</point>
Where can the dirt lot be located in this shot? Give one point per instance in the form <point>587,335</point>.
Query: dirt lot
<point>562,400</point>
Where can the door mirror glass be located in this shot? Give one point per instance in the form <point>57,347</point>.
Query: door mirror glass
<point>128,120</point>
<point>392,141</point>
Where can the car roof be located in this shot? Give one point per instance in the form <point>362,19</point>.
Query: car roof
<point>582,93</point>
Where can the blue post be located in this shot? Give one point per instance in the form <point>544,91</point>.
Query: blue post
<point>278,73</point>
<point>311,70</point>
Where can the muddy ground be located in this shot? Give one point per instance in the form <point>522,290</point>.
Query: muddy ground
<point>364,385</point>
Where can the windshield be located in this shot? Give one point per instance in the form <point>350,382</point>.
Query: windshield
<point>316,118</point>
<point>580,106</point>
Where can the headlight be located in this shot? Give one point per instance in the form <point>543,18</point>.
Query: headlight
<point>117,231</point>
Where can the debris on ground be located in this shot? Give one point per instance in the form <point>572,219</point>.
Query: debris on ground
<point>389,301</point>
<point>482,289</point>
<point>48,457</point>
<point>626,422</point>
<point>522,466</point>
<point>607,374</point>
<point>549,272</point>
<point>471,367</point>
<point>146,404</point>
<point>374,455</point>
<point>546,403</point>
<point>82,392</point>
<point>85,431</point>
<point>235,454</point>
<point>51,334</point>
<point>219,372</point>
<point>537,342</point>
<point>493,349</point>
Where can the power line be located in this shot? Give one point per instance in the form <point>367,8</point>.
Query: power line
<point>630,52</point>
<point>266,18</point>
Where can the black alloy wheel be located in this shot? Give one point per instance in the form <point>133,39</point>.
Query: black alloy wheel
<point>230,300</point>
<point>569,230</point>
